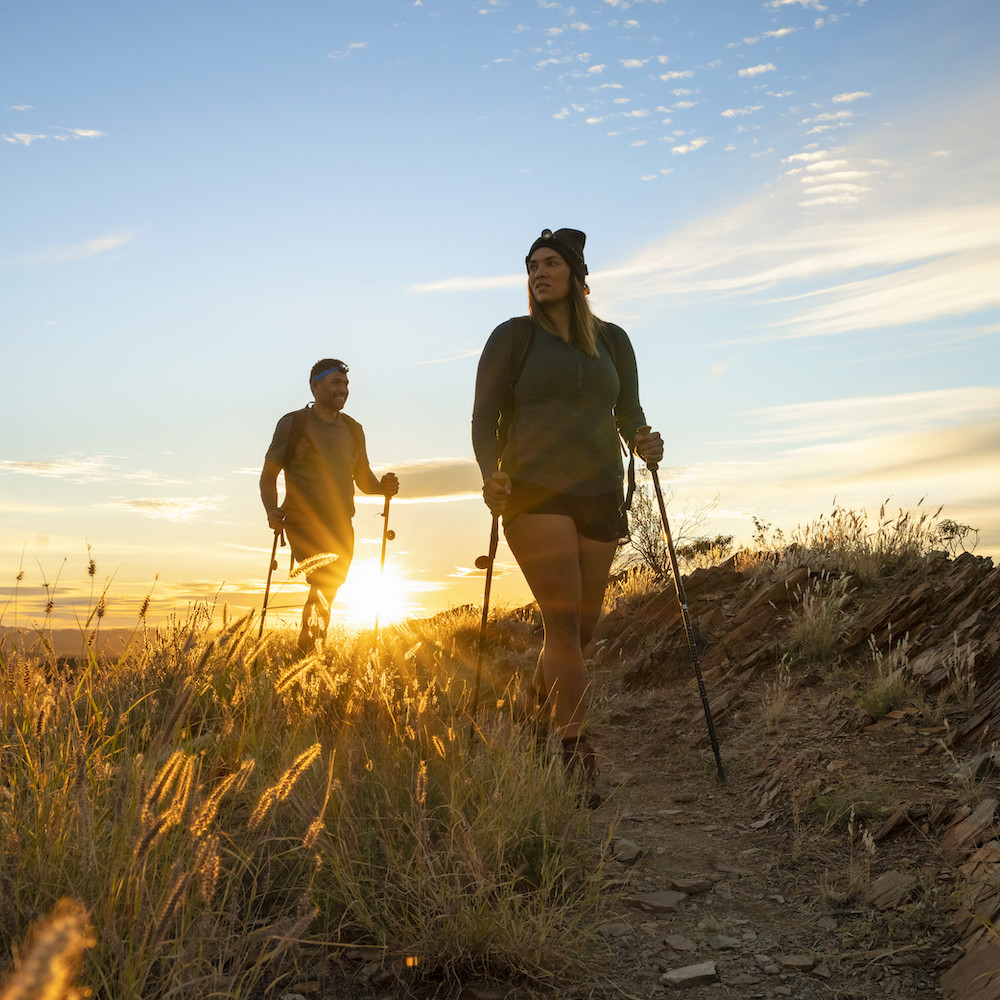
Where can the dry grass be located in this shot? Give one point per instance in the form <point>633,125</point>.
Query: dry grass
<point>846,542</point>
<point>850,541</point>
<point>631,586</point>
<point>776,697</point>
<point>225,812</point>
<point>820,620</point>
<point>886,684</point>
<point>221,810</point>
<point>48,967</point>
<point>853,881</point>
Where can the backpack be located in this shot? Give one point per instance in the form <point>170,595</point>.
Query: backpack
<point>524,335</point>
<point>298,432</point>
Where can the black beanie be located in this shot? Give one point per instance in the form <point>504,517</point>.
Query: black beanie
<point>568,243</point>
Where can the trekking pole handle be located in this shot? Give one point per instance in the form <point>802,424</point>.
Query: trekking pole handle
<point>496,481</point>
<point>645,429</point>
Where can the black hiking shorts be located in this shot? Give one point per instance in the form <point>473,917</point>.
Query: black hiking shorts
<point>310,538</point>
<point>599,518</point>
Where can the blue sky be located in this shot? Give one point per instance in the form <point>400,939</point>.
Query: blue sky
<point>791,206</point>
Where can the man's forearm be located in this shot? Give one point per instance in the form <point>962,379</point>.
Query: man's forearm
<point>269,490</point>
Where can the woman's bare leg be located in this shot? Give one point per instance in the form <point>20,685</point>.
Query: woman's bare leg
<point>564,572</point>
<point>595,566</point>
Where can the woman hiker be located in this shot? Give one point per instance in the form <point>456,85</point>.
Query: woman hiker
<point>553,391</point>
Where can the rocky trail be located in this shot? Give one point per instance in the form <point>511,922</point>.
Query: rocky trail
<point>854,851</point>
<point>849,854</point>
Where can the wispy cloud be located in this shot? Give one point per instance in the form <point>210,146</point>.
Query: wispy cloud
<point>83,469</point>
<point>500,568</point>
<point>349,51</point>
<point>943,445</point>
<point>470,284</point>
<point>59,135</point>
<point>959,284</point>
<point>25,138</point>
<point>437,479</point>
<point>78,251</point>
<point>452,357</point>
<point>168,508</point>
<point>808,4</point>
<point>864,416</point>
<point>926,247</point>
<point>94,467</point>
<point>689,147</point>
<point>757,70</point>
<point>930,262</point>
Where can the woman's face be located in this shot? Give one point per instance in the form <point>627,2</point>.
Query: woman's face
<point>549,276</point>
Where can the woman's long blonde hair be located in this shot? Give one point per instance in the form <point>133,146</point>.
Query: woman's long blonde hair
<point>582,322</point>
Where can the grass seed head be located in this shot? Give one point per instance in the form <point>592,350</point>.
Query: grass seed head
<point>47,969</point>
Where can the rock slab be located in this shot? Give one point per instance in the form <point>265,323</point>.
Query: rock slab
<point>690,975</point>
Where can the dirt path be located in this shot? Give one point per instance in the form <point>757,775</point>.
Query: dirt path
<point>853,853</point>
<point>779,899</point>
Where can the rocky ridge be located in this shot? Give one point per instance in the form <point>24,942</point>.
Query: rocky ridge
<point>850,854</point>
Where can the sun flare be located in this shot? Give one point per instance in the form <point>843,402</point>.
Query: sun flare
<point>368,594</point>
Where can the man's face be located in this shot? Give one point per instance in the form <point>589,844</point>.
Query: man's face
<point>331,390</point>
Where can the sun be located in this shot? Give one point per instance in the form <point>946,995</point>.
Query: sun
<point>369,593</point>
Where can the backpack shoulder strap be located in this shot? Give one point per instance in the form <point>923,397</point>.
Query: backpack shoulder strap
<point>610,344</point>
<point>524,335</point>
<point>355,428</point>
<point>523,331</point>
<point>297,432</point>
<point>602,335</point>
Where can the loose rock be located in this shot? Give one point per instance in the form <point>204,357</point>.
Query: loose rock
<point>615,930</point>
<point>690,975</point>
<point>626,851</point>
<point>678,942</point>
<point>798,963</point>
<point>661,901</point>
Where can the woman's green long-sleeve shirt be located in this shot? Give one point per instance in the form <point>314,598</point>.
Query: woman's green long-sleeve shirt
<point>569,409</point>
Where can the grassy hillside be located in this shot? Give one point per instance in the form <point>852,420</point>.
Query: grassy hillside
<point>202,813</point>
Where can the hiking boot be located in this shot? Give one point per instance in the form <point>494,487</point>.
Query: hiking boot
<point>534,714</point>
<point>581,769</point>
<point>542,724</point>
<point>311,636</point>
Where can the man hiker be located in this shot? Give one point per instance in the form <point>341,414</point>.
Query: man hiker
<point>322,451</point>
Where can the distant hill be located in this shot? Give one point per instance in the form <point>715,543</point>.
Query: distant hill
<point>64,641</point>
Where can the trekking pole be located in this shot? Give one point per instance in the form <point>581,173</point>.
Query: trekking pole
<point>688,629</point>
<point>387,536</point>
<point>486,563</point>
<point>272,566</point>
